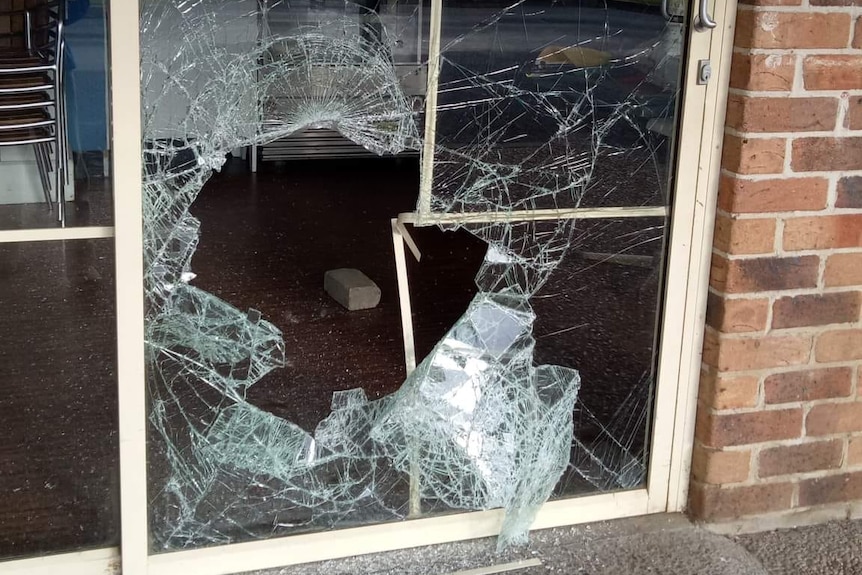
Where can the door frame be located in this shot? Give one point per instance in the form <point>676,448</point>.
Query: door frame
<point>690,241</point>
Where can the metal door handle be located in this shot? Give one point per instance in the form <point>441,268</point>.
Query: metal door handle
<point>667,15</point>
<point>704,21</point>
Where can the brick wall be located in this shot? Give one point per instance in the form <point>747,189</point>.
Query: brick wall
<point>779,424</point>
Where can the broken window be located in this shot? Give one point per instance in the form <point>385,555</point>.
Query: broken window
<point>545,143</point>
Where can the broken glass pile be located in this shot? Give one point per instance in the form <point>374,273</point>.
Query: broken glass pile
<point>525,114</point>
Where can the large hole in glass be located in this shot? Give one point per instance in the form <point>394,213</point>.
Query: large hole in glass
<point>267,241</point>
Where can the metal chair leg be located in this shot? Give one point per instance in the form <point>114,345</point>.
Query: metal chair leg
<point>62,125</point>
<point>64,132</point>
<point>43,173</point>
<point>60,184</point>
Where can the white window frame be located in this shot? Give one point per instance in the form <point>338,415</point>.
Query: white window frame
<point>697,168</point>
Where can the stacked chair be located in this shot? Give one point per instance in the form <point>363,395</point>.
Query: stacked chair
<point>31,89</point>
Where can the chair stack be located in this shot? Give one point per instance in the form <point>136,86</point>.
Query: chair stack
<point>31,89</point>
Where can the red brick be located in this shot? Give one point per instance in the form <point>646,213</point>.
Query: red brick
<point>853,120</point>
<point>830,418</point>
<point>709,502</point>
<point>820,154</point>
<point>832,72</point>
<point>745,354</point>
<point>839,345</point>
<point>736,195</point>
<point>727,392</point>
<point>717,467</point>
<point>786,459</point>
<point>836,2</point>
<point>749,114</point>
<point>857,34</point>
<point>849,192</point>
<point>718,272</point>
<point>808,385</point>
<point>823,232</point>
<point>726,430</point>
<point>767,72</point>
<point>703,425</point>
<point>830,489</point>
<point>763,274</point>
<point>771,2</point>
<point>735,236</point>
<point>736,315</point>
<point>843,270</point>
<point>753,155</point>
<point>854,451</point>
<point>792,29</point>
<point>816,309</point>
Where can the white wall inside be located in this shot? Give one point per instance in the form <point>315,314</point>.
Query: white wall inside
<point>19,177</point>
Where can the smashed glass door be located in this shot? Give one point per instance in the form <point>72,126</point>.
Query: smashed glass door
<point>540,199</point>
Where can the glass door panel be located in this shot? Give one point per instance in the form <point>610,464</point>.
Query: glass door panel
<point>554,143</point>
<point>512,362</point>
<point>59,470</point>
<point>59,477</point>
<point>54,145</point>
<point>555,105</point>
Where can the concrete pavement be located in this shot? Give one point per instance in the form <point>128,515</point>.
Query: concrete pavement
<point>665,544</point>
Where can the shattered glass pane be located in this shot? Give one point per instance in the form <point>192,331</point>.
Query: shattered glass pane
<point>598,312</point>
<point>553,105</point>
<point>542,105</point>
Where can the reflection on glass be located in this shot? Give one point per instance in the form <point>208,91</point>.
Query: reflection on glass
<point>272,410</point>
<point>54,145</point>
<point>59,476</point>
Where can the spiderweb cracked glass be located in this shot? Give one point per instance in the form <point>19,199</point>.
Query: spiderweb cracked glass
<point>478,425</point>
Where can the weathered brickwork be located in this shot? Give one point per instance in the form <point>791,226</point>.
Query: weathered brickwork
<point>779,425</point>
